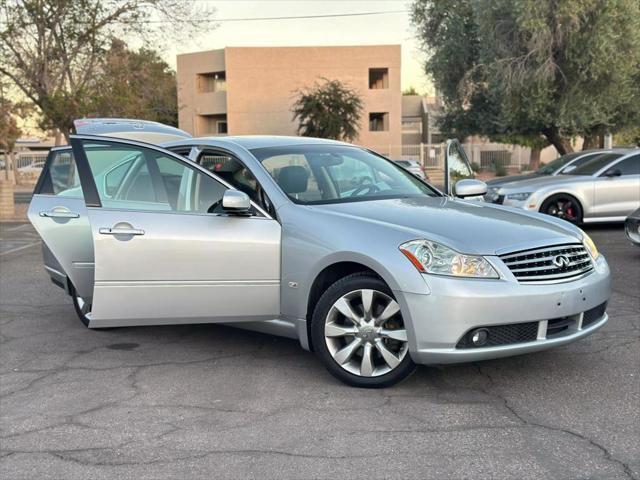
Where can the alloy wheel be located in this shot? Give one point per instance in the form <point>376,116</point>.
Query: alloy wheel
<point>563,208</point>
<point>365,334</point>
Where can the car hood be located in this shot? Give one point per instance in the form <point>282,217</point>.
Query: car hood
<point>534,184</point>
<point>495,182</point>
<point>467,226</point>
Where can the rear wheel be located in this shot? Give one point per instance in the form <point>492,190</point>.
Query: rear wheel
<point>563,206</point>
<point>359,334</point>
<point>81,306</point>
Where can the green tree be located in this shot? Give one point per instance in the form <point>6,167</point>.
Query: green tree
<point>55,50</point>
<point>329,109</point>
<point>531,68</point>
<point>136,84</point>
<point>410,91</point>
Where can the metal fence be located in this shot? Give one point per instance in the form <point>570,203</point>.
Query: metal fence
<point>27,159</point>
<point>488,156</point>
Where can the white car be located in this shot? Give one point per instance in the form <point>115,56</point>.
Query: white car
<point>414,167</point>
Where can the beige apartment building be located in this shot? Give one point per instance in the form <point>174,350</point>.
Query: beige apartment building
<point>250,90</point>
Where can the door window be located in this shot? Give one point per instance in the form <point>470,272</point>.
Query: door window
<point>629,166</point>
<point>61,177</point>
<point>138,178</point>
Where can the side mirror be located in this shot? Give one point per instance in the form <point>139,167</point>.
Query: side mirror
<point>613,172</point>
<point>235,201</point>
<point>470,188</point>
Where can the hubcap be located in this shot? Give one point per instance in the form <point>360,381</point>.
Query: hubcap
<point>365,334</point>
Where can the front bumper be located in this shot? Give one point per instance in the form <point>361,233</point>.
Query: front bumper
<point>437,322</point>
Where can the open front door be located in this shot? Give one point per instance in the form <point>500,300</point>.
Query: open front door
<point>456,166</point>
<point>164,251</point>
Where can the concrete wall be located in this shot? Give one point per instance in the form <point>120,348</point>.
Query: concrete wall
<point>262,84</point>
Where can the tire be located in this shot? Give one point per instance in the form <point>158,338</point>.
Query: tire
<point>367,348</point>
<point>564,206</point>
<point>81,307</point>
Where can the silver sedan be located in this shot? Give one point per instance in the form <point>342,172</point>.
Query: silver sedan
<point>606,188</point>
<point>316,240</point>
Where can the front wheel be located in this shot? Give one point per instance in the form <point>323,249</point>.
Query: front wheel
<point>563,206</point>
<point>359,334</point>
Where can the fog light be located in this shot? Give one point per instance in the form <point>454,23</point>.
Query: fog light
<point>479,337</point>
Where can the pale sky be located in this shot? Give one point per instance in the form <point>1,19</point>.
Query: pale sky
<point>392,28</point>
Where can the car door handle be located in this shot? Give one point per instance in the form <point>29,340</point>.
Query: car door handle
<point>59,214</point>
<point>121,231</point>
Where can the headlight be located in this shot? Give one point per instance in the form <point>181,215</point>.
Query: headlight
<point>431,257</point>
<point>521,197</point>
<point>590,246</point>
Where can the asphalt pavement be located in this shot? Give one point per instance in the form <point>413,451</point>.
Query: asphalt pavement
<point>207,401</point>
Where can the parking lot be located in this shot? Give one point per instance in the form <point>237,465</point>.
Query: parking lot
<point>210,401</point>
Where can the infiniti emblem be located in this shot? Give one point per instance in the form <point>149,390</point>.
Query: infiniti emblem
<point>561,261</point>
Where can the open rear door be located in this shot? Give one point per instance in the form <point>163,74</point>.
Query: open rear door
<point>59,215</point>
<point>130,129</point>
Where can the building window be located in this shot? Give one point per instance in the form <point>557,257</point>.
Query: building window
<point>378,78</point>
<point>212,82</point>
<point>379,121</point>
<point>211,125</point>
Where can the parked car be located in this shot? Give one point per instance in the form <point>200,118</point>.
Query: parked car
<point>554,167</point>
<point>606,188</point>
<point>632,227</point>
<point>269,233</point>
<point>413,167</point>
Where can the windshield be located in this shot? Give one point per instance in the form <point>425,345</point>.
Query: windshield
<point>593,165</point>
<point>317,174</point>
<point>551,167</point>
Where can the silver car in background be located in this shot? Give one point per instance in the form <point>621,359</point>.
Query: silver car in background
<point>555,167</point>
<point>605,188</point>
<point>413,167</point>
<point>316,240</point>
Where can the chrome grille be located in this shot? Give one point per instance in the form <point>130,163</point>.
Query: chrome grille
<point>549,264</point>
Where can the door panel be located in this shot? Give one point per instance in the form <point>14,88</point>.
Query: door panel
<point>160,257</point>
<point>618,196</point>
<point>181,268</point>
<point>63,225</point>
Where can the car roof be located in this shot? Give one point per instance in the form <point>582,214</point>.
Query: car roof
<point>251,142</point>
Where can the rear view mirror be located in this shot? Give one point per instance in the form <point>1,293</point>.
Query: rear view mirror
<point>470,188</point>
<point>235,201</point>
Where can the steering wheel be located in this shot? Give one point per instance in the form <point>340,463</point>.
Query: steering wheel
<point>368,187</point>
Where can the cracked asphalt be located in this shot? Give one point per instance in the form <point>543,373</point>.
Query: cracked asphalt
<point>210,401</point>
